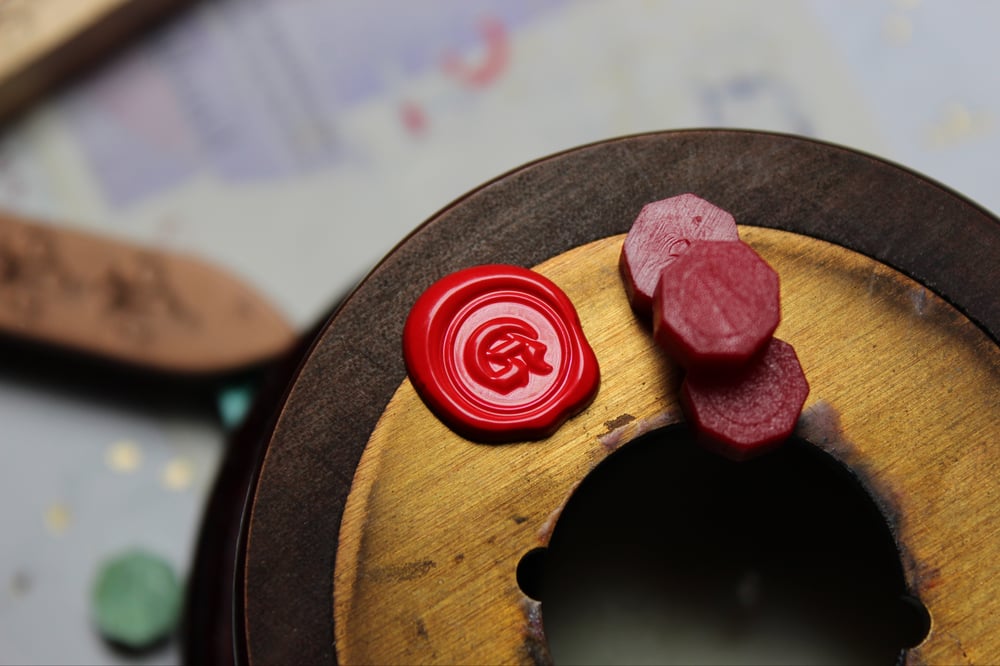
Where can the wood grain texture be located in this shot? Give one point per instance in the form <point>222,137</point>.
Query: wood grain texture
<point>526,217</point>
<point>435,525</point>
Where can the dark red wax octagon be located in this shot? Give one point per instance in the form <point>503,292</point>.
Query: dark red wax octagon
<point>718,304</point>
<point>751,410</point>
<point>498,353</point>
<point>661,233</point>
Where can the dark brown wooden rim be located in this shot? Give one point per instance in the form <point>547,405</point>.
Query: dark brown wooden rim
<point>524,217</point>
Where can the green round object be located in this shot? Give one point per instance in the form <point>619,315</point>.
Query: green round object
<point>136,599</point>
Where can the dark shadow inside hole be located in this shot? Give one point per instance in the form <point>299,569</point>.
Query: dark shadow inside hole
<point>530,572</point>
<point>667,553</point>
<point>914,621</point>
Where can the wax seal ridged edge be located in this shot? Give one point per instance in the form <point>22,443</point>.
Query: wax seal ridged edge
<point>444,376</point>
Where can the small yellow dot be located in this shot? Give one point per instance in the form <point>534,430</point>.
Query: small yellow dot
<point>57,518</point>
<point>897,30</point>
<point>177,475</point>
<point>123,456</point>
<point>958,124</point>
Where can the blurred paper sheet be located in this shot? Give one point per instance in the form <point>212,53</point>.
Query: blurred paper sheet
<point>297,142</point>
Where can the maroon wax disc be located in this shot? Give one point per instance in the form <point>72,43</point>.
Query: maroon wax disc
<point>660,234</point>
<point>747,413</point>
<point>718,304</point>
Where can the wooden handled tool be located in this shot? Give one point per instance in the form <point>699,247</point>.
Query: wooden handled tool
<point>46,41</point>
<point>137,306</point>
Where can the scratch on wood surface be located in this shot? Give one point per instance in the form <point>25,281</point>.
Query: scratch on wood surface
<point>639,169</point>
<point>627,429</point>
<point>958,643</point>
<point>401,572</point>
<point>918,297</point>
<point>422,630</point>
<point>916,657</point>
<point>618,422</point>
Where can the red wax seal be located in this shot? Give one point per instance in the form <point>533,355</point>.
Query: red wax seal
<point>497,352</point>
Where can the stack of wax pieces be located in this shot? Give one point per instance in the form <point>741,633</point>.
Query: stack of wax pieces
<point>715,305</point>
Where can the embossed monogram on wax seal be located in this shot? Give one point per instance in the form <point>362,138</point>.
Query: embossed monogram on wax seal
<point>497,352</point>
<point>503,354</point>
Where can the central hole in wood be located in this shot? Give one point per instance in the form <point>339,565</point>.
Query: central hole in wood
<point>667,553</point>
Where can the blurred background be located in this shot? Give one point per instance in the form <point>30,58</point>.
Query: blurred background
<point>293,143</point>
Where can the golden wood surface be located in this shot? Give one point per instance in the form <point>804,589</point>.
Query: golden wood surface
<point>903,388</point>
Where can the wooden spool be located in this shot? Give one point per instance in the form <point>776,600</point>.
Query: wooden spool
<point>375,535</point>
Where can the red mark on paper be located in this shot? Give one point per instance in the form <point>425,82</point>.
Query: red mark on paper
<point>493,63</point>
<point>142,101</point>
<point>413,117</point>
